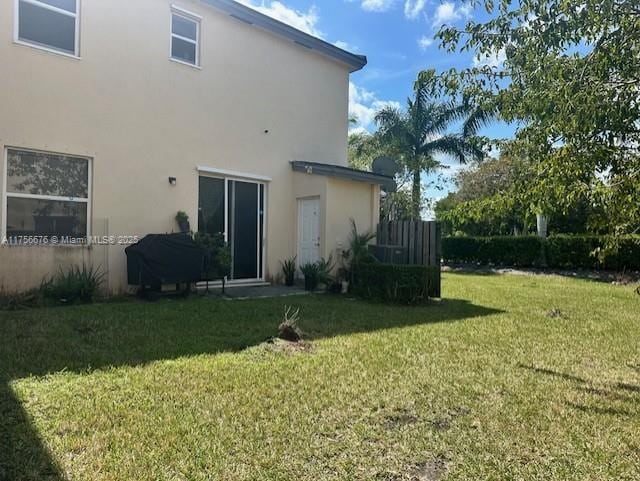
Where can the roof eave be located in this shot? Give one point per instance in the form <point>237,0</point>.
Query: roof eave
<point>337,171</point>
<point>253,17</point>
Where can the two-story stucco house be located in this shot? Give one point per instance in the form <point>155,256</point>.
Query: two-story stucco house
<point>115,115</point>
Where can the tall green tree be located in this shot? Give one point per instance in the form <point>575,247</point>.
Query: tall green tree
<point>415,136</point>
<point>490,199</point>
<point>493,198</point>
<point>570,80</point>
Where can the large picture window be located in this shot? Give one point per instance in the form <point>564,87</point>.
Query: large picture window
<point>47,196</point>
<point>185,38</point>
<point>50,24</point>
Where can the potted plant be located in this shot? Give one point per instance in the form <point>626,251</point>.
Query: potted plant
<point>310,272</point>
<point>217,263</point>
<point>325,267</point>
<point>222,259</point>
<point>183,221</point>
<point>205,242</point>
<point>289,271</point>
<point>316,273</point>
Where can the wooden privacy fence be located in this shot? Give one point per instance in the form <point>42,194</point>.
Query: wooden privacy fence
<point>420,240</point>
<point>412,243</point>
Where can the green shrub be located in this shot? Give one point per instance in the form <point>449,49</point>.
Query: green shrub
<point>402,284</point>
<point>217,259</point>
<point>316,273</point>
<point>310,272</point>
<point>358,252</point>
<point>627,257</point>
<point>591,252</point>
<point>559,252</point>
<point>76,285</point>
<point>289,271</point>
<point>573,252</point>
<point>523,251</point>
<point>325,267</point>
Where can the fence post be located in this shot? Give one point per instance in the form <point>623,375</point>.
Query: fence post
<point>438,248</point>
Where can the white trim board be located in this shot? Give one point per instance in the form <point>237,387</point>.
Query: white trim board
<point>182,11</point>
<point>231,284</point>
<point>232,173</point>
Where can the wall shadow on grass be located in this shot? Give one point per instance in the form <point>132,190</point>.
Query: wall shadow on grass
<point>23,457</point>
<point>85,338</point>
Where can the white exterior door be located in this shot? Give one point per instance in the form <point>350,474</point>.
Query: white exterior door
<point>308,231</point>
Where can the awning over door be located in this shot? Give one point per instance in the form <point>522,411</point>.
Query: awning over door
<point>329,170</point>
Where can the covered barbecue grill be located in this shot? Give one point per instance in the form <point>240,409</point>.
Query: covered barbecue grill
<point>164,259</point>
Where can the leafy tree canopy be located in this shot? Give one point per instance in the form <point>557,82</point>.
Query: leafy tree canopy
<point>571,81</point>
<point>493,198</point>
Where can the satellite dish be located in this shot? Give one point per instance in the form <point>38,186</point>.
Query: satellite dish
<point>385,166</point>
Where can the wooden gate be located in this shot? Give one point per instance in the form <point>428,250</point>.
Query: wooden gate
<point>420,240</point>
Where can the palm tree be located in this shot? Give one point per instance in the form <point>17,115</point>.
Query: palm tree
<point>416,135</point>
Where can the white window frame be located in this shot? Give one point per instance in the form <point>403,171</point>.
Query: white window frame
<point>191,17</point>
<point>6,195</point>
<point>27,43</point>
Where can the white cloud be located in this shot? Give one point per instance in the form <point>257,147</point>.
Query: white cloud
<point>346,46</point>
<point>364,105</point>
<point>493,60</point>
<point>425,42</point>
<point>448,12</point>
<point>413,8</point>
<point>377,5</point>
<point>305,21</point>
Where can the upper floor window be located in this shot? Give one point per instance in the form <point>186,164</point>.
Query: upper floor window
<point>47,196</point>
<point>185,38</point>
<point>52,24</point>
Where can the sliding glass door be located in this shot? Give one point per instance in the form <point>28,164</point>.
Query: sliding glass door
<point>235,209</point>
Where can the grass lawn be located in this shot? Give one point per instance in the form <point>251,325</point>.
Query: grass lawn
<point>488,385</point>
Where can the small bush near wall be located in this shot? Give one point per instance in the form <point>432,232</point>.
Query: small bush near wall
<point>402,284</point>
<point>75,285</point>
<point>558,252</point>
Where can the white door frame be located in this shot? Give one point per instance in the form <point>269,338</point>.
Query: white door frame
<point>262,244</point>
<point>300,203</point>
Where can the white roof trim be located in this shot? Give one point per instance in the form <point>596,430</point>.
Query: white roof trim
<point>233,173</point>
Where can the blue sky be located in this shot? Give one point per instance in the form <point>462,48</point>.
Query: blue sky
<point>395,35</point>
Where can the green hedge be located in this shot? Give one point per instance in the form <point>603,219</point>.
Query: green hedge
<point>523,251</point>
<point>559,252</point>
<point>403,284</point>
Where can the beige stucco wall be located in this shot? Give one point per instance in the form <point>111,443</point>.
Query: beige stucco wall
<point>143,118</point>
<point>345,201</point>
